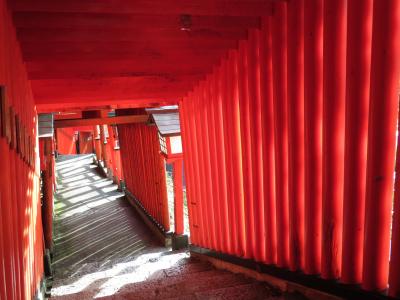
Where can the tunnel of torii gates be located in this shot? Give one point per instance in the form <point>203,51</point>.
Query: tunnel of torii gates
<point>288,120</point>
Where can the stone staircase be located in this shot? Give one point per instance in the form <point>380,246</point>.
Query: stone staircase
<point>104,251</point>
<point>168,275</point>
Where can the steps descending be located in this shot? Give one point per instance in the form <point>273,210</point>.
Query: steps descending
<point>171,275</point>
<point>104,251</point>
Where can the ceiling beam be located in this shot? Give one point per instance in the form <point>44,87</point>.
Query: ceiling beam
<point>104,105</point>
<point>127,46</point>
<point>111,89</point>
<point>122,54</point>
<point>119,68</point>
<point>158,7</point>
<point>139,34</point>
<point>101,121</point>
<point>47,20</point>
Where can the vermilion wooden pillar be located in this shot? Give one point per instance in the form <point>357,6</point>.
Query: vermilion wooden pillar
<point>394,270</point>
<point>237,171</point>
<point>196,172</point>
<point>48,193</point>
<point>235,195</point>
<point>335,25</point>
<point>8,230</point>
<point>14,200</point>
<point>97,142</point>
<point>296,132</point>
<point>313,53</point>
<point>103,144</point>
<point>214,143</point>
<point>268,140</point>
<point>223,110</point>
<point>246,147</point>
<point>188,169</point>
<point>204,114</point>
<point>381,142</point>
<point>207,224</point>
<point>256,141</point>
<point>178,196</point>
<point>2,268</point>
<point>279,55</point>
<point>359,37</point>
<point>196,168</point>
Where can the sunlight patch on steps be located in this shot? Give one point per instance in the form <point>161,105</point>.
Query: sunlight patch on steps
<point>121,274</point>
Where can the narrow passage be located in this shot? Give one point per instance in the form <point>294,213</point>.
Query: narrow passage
<point>104,251</point>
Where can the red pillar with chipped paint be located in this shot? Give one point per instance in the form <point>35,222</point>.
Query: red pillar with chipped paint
<point>334,75</point>
<point>381,142</point>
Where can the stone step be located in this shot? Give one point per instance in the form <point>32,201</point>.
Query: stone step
<point>166,266</point>
<point>252,291</point>
<point>179,286</point>
<point>148,288</point>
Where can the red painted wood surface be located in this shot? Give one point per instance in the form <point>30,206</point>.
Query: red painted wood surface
<point>85,142</point>
<point>66,141</point>
<point>381,143</point>
<point>48,179</point>
<point>142,56</point>
<point>21,235</point>
<point>144,169</point>
<point>256,138</point>
<point>268,141</point>
<point>97,143</point>
<point>296,133</point>
<point>234,118</point>
<point>188,171</point>
<point>217,189</point>
<point>246,147</point>
<point>196,7</point>
<point>178,196</point>
<point>288,137</point>
<point>335,27</point>
<point>222,155</point>
<point>359,38</point>
<point>279,64</point>
<point>313,55</point>
<point>394,271</point>
<point>318,75</point>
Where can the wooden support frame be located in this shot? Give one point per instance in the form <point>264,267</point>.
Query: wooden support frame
<point>13,135</point>
<point>18,135</point>
<point>101,121</point>
<point>5,115</point>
